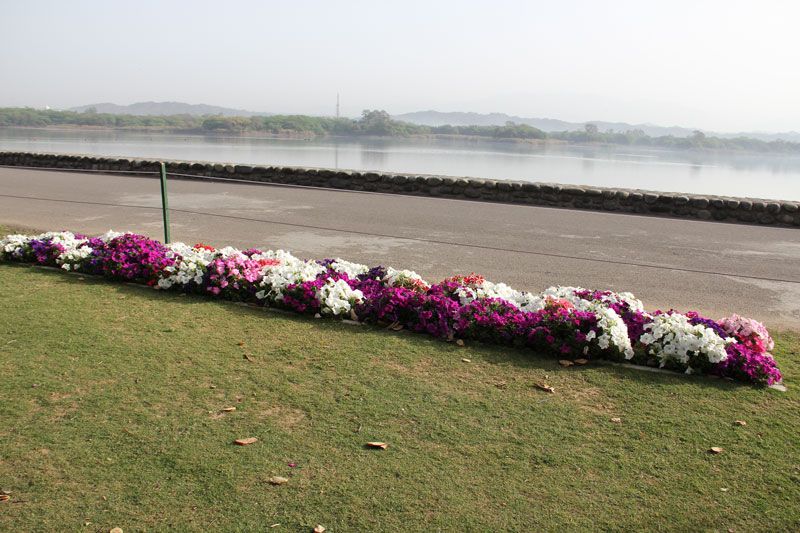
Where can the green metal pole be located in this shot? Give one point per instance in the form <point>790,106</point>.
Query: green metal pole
<point>164,202</point>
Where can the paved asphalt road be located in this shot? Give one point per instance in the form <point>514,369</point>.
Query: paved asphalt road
<point>527,247</point>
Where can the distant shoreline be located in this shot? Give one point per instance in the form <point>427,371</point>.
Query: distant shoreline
<point>199,132</point>
<point>307,136</point>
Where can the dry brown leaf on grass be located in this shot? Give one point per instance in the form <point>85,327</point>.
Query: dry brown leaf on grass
<point>318,529</point>
<point>460,342</point>
<point>116,530</point>
<point>716,450</point>
<point>247,356</point>
<point>245,441</point>
<point>4,497</point>
<point>381,445</point>
<point>227,409</point>
<point>278,480</point>
<point>581,361</point>
<point>465,360</point>
<point>616,420</point>
<point>740,422</point>
<point>565,362</point>
<point>544,386</point>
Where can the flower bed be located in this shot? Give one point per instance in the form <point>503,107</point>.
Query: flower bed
<point>566,322</point>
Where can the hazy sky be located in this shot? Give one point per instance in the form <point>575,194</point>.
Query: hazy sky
<point>724,65</point>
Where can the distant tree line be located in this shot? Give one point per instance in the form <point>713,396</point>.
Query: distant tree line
<point>29,117</point>
<point>371,122</point>
<point>697,141</point>
<point>376,123</point>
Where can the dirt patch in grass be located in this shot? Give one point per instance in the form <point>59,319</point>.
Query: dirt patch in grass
<point>285,418</point>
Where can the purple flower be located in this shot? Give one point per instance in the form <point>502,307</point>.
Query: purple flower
<point>744,364</point>
<point>45,251</point>
<point>133,258</point>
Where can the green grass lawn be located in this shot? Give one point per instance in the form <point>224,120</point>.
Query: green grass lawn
<point>111,415</point>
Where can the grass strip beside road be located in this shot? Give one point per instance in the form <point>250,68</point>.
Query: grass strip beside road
<point>112,413</point>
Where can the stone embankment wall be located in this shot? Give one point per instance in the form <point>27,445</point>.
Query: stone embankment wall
<point>702,207</point>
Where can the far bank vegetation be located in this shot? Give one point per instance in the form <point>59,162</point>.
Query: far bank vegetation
<point>377,123</point>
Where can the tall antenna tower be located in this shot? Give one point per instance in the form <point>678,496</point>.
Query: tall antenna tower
<point>337,105</point>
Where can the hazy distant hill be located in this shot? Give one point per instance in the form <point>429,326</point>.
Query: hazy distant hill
<point>791,136</point>
<point>438,118</point>
<point>167,108</point>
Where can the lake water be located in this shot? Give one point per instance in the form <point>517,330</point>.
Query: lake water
<point>750,175</point>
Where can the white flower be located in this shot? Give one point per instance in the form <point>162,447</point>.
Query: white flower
<point>227,252</point>
<point>673,338</point>
<point>613,331</point>
<point>75,250</point>
<point>337,298</point>
<point>397,278</point>
<point>628,297</point>
<point>190,265</point>
<point>525,301</point>
<point>290,271</point>
<point>353,270</point>
<point>74,255</point>
<point>466,295</point>
<point>13,246</point>
<point>107,236</point>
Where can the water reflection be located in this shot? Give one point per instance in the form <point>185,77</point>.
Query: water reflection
<point>588,162</point>
<point>735,174</point>
<point>336,155</point>
<point>373,158</point>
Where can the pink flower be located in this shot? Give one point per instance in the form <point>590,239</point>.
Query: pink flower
<point>554,304</point>
<point>751,333</point>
